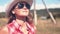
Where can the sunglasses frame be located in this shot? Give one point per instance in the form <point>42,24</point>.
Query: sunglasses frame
<point>21,5</point>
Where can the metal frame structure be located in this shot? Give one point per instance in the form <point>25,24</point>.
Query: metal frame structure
<point>35,15</point>
<point>51,15</point>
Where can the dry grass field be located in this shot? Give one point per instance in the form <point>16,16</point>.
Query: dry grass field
<point>3,22</point>
<point>43,26</point>
<point>48,27</point>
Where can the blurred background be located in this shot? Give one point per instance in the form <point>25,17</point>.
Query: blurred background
<point>44,24</point>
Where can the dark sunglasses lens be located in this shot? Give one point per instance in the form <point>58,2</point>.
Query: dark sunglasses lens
<point>28,6</point>
<point>20,5</point>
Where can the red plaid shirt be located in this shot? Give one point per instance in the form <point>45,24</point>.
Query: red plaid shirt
<point>14,28</point>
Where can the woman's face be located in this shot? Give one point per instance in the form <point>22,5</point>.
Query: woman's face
<point>22,9</point>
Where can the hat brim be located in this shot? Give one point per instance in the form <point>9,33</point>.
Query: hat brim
<point>15,1</point>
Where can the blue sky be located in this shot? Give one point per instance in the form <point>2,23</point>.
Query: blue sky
<point>2,2</point>
<point>51,3</point>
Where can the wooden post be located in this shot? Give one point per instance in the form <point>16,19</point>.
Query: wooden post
<point>35,15</point>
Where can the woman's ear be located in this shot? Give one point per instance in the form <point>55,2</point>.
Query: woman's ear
<point>13,12</point>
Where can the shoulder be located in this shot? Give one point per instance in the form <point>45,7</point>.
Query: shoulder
<point>4,30</point>
<point>33,25</point>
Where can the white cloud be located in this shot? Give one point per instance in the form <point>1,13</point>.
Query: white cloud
<point>3,7</point>
<point>54,6</point>
<point>41,6</point>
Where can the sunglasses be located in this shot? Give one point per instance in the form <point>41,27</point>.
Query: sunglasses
<point>21,5</point>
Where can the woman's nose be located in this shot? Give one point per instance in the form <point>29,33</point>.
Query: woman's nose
<point>24,8</point>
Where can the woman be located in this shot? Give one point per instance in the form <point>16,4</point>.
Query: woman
<point>20,18</point>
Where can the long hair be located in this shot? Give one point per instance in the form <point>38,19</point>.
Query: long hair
<point>12,16</point>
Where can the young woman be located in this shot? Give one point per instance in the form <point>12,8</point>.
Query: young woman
<point>20,18</point>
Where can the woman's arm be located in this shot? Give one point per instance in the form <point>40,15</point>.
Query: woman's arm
<point>4,30</point>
